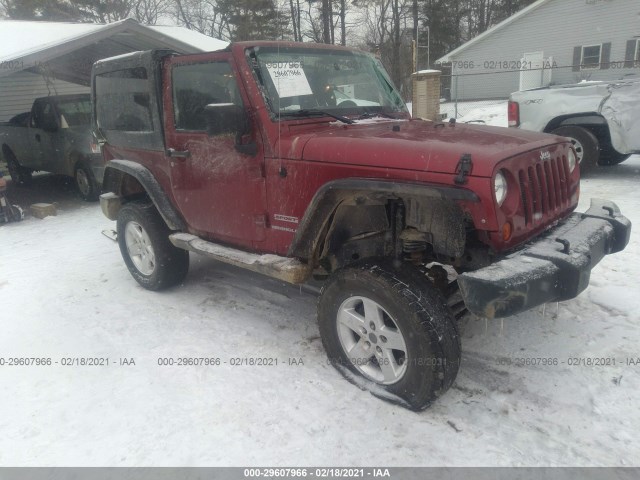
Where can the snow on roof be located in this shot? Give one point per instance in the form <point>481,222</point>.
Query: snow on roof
<point>21,38</point>
<point>197,39</point>
<point>448,57</point>
<point>35,37</point>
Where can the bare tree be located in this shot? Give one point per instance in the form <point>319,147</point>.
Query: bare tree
<point>150,11</point>
<point>342,16</point>
<point>295,20</point>
<point>204,16</point>
<point>313,24</point>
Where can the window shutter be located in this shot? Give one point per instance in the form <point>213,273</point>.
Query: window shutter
<point>630,53</point>
<point>577,56</point>
<point>605,55</point>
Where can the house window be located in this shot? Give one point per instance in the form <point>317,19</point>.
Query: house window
<point>591,56</point>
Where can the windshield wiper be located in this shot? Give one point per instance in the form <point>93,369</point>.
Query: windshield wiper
<point>311,112</point>
<point>376,114</point>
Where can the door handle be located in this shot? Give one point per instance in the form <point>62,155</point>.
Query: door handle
<point>172,153</point>
<point>38,137</point>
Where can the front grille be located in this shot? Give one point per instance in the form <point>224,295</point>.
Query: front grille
<point>544,189</point>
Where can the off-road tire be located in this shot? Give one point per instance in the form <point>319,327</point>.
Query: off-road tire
<point>19,175</point>
<point>169,265</point>
<point>586,145</point>
<point>420,313</point>
<point>85,182</point>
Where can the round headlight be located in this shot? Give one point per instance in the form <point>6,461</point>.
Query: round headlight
<point>500,188</point>
<point>572,160</point>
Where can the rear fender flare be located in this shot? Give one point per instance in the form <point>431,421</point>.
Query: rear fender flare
<point>114,175</point>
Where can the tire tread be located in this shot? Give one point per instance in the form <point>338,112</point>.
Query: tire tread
<point>172,262</point>
<point>426,304</point>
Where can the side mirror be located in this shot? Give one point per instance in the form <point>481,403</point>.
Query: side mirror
<point>229,118</point>
<point>225,118</point>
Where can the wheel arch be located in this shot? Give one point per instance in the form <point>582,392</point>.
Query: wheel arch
<point>592,121</point>
<point>75,158</point>
<point>319,221</point>
<point>6,148</point>
<point>127,179</point>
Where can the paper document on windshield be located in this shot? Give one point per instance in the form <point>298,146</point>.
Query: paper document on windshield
<point>289,79</point>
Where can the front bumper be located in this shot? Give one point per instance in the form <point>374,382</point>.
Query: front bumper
<point>554,267</point>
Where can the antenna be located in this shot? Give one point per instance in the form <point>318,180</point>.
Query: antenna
<point>280,168</point>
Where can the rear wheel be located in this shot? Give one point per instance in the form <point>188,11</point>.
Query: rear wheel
<point>585,144</point>
<point>86,182</point>
<point>390,331</point>
<point>20,175</point>
<point>143,238</point>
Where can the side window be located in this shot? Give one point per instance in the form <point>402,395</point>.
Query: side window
<point>123,102</point>
<point>44,115</point>
<point>197,85</point>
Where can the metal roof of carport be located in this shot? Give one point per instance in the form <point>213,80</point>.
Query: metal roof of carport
<point>69,49</point>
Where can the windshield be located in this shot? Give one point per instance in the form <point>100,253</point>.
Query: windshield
<point>298,80</point>
<point>74,112</point>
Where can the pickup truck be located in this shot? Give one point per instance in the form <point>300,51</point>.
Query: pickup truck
<point>601,119</point>
<point>301,161</point>
<point>55,136</point>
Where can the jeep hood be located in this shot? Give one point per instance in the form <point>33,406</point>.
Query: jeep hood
<point>415,145</point>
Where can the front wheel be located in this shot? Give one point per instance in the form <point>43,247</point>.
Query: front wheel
<point>390,331</point>
<point>86,182</point>
<point>151,258</point>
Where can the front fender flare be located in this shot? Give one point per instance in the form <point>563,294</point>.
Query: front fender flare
<point>331,194</point>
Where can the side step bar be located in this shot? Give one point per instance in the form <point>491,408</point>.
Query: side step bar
<point>290,270</point>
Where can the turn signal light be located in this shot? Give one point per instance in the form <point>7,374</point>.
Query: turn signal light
<point>507,230</point>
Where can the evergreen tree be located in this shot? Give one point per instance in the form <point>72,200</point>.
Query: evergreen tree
<point>255,19</point>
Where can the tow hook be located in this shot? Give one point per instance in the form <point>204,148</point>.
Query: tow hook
<point>566,245</point>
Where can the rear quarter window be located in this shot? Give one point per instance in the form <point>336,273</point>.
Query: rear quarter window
<point>123,102</point>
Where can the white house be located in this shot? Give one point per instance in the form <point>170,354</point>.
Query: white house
<point>549,42</point>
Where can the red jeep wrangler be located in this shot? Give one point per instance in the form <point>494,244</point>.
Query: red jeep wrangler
<point>301,160</point>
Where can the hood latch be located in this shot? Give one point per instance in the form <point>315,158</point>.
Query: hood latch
<point>464,167</point>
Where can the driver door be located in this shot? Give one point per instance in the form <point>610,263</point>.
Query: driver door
<point>219,189</point>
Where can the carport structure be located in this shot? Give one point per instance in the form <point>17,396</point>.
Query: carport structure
<point>49,58</point>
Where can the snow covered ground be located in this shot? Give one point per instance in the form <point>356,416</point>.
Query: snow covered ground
<point>483,112</point>
<point>65,293</point>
